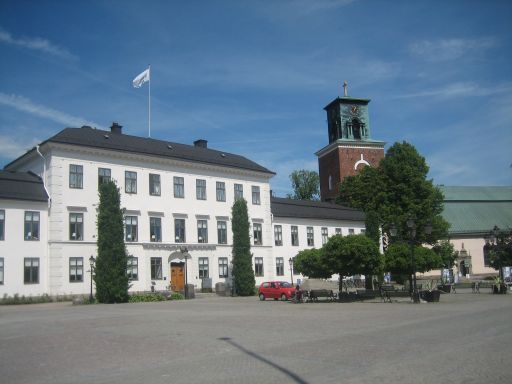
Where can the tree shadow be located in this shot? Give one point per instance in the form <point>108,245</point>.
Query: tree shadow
<point>287,372</point>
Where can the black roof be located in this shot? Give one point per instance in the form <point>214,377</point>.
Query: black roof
<point>313,210</point>
<point>22,186</point>
<point>97,138</point>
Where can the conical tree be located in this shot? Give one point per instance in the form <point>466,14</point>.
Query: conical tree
<point>242,258</point>
<point>110,272</point>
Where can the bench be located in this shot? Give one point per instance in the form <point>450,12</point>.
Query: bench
<point>388,291</point>
<point>315,294</point>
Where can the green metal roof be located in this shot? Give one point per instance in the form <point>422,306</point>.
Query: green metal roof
<point>476,210</point>
<point>477,193</point>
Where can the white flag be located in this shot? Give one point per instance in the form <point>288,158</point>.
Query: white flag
<point>141,79</point>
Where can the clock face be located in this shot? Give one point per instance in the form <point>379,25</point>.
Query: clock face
<point>354,110</point>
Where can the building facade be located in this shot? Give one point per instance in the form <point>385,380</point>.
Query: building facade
<point>175,197</point>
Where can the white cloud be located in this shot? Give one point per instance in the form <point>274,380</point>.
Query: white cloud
<point>25,105</point>
<point>458,90</point>
<point>37,44</point>
<point>450,49</point>
<point>12,148</point>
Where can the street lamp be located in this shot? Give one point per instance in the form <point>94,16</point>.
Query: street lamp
<point>186,256</point>
<point>411,224</point>
<point>92,260</point>
<point>290,261</point>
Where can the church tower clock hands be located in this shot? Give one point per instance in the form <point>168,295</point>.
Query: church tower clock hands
<point>350,146</point>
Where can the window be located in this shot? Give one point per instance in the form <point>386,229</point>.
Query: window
<point>258,236</point>
<point>76,176</point>
<point>223,267</point>
<point>130,223</point>
<point>103,175</point>
<point>487,256</point>
<point>156,268</point>
<point>278,235</point>
<point>222,232</point>
<point>337,231</point>
<point>295,235</point>
<point>31,225</point>
<point>200,189</point>
<point>2,224</point>
<point>179,230</point>
<point>130,182</point>
<point>203,268</point>
<point>202,231</point>
<point>221,191</point>
<point>76,269</point>
<point>351,231</point>
<point>279,266</point>
<point>239,191</point>
<point>1,271</point>
<point>363,231</point>
<point>155,229</point>
<point>179,187</point>
<point>31,271</point>
<point>325,235</point>
<point>154,185</point>
<point>258,266</point>
<point>255,195</point>
<point>132,268</point>
<point>76,226</point>
<point>311,236</point>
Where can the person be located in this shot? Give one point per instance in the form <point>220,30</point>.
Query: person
<point>298,294</point>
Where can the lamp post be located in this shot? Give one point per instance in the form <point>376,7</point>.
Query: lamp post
<point>92,260</point>
<point>186,256</point>
<point>290,261</point>
<point>411,225</point>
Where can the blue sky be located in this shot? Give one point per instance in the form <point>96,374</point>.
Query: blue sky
<point>252,77</point>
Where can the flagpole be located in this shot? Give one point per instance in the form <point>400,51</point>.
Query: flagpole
<point>149,102</point>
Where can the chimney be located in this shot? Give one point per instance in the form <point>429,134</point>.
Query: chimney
<point>116,128</point>
<point>201,143</point>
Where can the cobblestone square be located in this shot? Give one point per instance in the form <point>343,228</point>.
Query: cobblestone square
<point>465,338</point>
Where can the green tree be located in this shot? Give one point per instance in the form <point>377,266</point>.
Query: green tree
<point>110,271</point>
<point>352,255</point>
<point>243,273</point>
<point>397,190</point>
<point>310,263</point>
<point>500,252</point>
<point>446,252</point>
<point>398,260</point>
<point>305,184</point>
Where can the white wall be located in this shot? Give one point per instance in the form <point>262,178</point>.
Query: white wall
<point>14,248</point>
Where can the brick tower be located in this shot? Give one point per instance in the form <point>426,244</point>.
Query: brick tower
<point>350,145</point>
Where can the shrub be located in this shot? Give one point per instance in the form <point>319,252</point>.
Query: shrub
<point>176,296</point>
<point>146,297</point>
<point>16,299</point>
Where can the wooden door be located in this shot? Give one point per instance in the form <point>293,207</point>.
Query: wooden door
<point>177,278</point>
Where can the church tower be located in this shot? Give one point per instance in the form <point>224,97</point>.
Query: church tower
<point>350,145</point>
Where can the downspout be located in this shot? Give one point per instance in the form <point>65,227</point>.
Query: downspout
<point>44,177</point>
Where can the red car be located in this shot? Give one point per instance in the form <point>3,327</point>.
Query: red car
<point>276,290</point>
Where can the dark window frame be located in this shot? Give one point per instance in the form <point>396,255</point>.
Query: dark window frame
<point>104,175</point>
<point>31,275</point>
<point>131,225</point>
<point>223,267</point>
<point>200,189</point>
<point>310,232</point>
<point>279,266</point>
<point>76,226</point>
<point>256,196</point>
<point>156,268</point>
<point>132,266</point>
<point>76,176</point>
<point>220,191</point>
<point>295,235</point>
<point>278,235</point>
<point>74,268</point>
<point>204,267</point>
<point>257,231</point>
<point>130,182</point>
<point>258,267</point>
<point>30,225</point>
<point>155,186</point>
<point>180,235</point>
<point>238,191</point>
<point>155,223</point>
<point>202,231</point>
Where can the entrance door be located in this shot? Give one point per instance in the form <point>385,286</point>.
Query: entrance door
<point>177,277</point>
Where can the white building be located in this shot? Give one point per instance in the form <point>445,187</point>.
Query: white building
<point>174,196</point>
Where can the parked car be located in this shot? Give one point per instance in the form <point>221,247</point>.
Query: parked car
<point>276,290</point>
